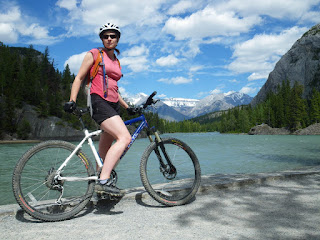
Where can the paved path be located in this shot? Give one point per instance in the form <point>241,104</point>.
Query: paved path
<point>286,208</point>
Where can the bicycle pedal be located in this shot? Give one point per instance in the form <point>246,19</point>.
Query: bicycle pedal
<point>102,196</point>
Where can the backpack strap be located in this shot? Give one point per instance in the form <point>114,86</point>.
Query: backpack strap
<point>91,75</point>
<point>105,76</point>
<point>95,67</point>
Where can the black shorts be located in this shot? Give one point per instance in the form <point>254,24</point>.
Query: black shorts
<point>102,109</point>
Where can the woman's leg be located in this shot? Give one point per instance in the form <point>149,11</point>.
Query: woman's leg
<point>105,143</point>
<point>116,129</point>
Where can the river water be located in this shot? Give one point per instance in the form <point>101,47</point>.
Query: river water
<point>217,153</point>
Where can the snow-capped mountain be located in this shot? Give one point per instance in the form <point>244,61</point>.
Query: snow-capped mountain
<point>137,99</point>
<point>178,109</point>
<point>180,102</point>
<point>217,102</point>
<point>182,105</point>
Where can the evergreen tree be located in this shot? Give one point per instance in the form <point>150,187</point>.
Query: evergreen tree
<point>244,123</point>
<point>297,108</point>
<point>315,106</point>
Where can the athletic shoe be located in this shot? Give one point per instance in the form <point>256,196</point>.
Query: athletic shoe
<point>108,188</point>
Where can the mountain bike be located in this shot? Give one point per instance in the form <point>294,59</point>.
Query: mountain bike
<point>54,180</point>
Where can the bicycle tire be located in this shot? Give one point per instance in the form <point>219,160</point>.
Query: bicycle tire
<point>33,186</point>
<point>178,189</point>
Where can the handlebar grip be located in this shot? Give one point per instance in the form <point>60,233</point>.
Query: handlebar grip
<point>153,94</point>
<point>150,100</point>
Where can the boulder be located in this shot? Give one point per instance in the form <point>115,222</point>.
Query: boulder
<point>265,129</point>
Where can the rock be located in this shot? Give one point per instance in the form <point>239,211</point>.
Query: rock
<point>265,129</point>
<point>48,128</point>
<point>313,129</point>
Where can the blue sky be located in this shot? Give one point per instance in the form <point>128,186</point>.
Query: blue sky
<point>180,48</point>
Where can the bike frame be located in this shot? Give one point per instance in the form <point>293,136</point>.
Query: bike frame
<point>88,137</point>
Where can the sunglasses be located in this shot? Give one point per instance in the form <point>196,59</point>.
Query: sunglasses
<point>112,36</point>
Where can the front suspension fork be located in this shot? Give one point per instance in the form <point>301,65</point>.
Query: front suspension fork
<point>163,166</point>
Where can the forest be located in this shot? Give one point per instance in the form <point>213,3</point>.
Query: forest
<point>29,76</point>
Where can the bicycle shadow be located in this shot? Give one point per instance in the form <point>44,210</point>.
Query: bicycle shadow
<point>145,200</point>
<point>22,216</point>
<point>103,206</point>
<point>106,206</point>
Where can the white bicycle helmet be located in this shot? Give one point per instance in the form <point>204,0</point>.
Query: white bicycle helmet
<point>109,26</point>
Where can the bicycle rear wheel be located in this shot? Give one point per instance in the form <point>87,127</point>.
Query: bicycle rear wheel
<point>38,190</point>
<point>170,185</point>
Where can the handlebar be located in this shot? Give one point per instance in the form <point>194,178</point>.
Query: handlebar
<point>80,111</point>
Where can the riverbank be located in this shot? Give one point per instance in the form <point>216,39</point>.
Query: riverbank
<point>265,129</point>
<point>18,141</point>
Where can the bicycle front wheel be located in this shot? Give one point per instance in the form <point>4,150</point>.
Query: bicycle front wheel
<point>170,173</point>
<point>39,191</point>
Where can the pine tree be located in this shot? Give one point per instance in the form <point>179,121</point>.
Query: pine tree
<point>297,108</point>
<point>315,106</point>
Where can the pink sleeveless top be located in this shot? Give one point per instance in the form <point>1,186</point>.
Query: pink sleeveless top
<point>113,70</point>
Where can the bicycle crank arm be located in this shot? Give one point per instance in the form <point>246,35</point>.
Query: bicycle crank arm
<point>74,179</point>
<point>165,193</point>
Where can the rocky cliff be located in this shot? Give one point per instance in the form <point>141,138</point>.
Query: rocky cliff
<point>301,63</point>
<point>48,128</point>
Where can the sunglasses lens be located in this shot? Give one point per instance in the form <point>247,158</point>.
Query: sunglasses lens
<point>113,36</point>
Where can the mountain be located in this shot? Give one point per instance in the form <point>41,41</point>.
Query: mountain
<point>169,113</point>
<point>300,64</point>
<point>182,105</point>
<point>217,102</point>
<point>178,109</point>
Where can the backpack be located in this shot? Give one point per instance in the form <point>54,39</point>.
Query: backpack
<point>92,73</point>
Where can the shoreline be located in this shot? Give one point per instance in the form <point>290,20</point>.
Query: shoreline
<point>18,141</point>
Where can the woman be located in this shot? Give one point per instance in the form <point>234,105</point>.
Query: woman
<point>106,105</point>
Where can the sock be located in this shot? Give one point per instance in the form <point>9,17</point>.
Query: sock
<point>103,181</point>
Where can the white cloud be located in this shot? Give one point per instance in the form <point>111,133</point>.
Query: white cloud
<point>136,64</point>
<point>311,16</point>
<point>137,51</point>
<point>234,81</point>
<point>13,25</point>
<point>74,62</point>
<point>209,23</point>
<point>67,4</point>
<point>167,61</point>
<point>260,75</point>
<point>12,15</point>
<point>182,7</point>
<point>91,14</point>
<point>8,33</point>
<point>259,54</point>
<point>175,80</point>
<point>292,9</point>
<point>136,58</point>
<point>196,68</point>
<point>248,90</point>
